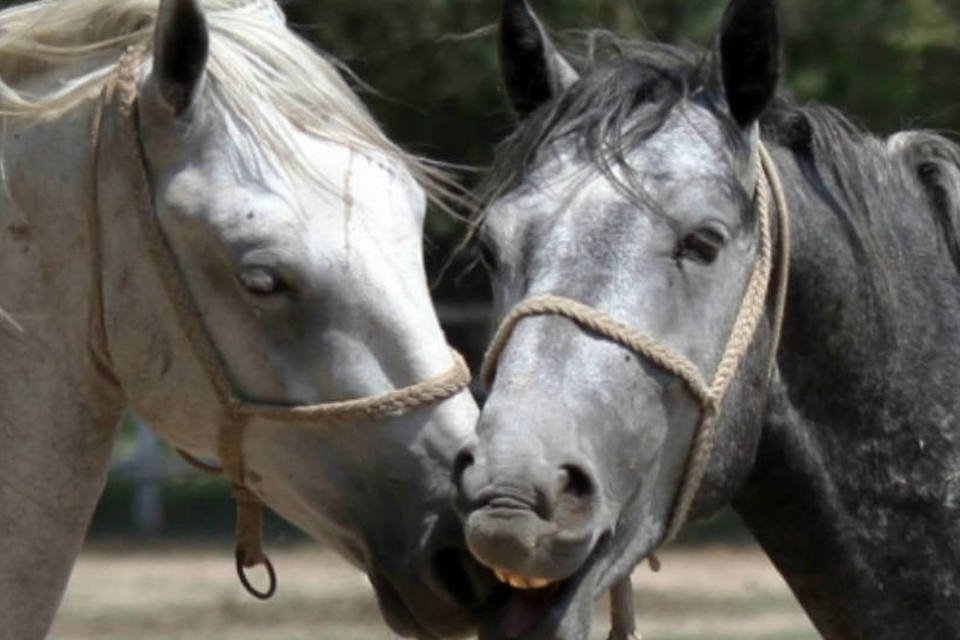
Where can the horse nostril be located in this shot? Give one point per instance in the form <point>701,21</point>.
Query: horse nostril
<point>573,481</point>
<point>577,500</point>
<point>461,463</point>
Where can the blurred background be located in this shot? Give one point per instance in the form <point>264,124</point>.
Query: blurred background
<point>434,85</point>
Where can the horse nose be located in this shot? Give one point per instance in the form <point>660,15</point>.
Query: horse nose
<point>527,514</point>
<point>570,486</point>
<point>465,475</point>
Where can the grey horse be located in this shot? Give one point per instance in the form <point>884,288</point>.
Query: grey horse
<point>631,189</point>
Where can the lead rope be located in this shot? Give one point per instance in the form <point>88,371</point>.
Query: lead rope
<point>121,92</point>
<point>710,396</point>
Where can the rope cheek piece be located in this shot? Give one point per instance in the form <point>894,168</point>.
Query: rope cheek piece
<point>709,395</point>
<point>115,128</point>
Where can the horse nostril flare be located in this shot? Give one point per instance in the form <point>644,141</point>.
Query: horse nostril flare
<point>573,481</point>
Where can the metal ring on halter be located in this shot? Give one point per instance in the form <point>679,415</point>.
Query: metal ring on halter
<point>271,574</point>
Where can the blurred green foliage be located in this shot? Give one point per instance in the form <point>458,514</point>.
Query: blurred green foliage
<point>890,65</point>
<point>196,509</point>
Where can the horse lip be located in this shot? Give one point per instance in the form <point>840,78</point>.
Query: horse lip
<point>519,543</point>
<point>500,498</point>
<point>577,586</point>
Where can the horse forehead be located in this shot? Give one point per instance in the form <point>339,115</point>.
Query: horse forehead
<point>384,186</point>
<point>363,182</point>
<point>249,207</point>
<point>691,141</point>
<point>330,180</point>
<point>688,152</point>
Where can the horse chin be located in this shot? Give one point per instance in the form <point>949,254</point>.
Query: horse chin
<point>395,613</point>
<point>404,621</point>
<point>560,611</point>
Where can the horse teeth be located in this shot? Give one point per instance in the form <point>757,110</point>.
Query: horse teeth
<point>520,582</point>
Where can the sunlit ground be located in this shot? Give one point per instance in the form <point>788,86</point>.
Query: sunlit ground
<point>714,593</point>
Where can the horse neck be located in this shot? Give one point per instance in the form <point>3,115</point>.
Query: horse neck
<point>57,407</point>
<point>855,494</point>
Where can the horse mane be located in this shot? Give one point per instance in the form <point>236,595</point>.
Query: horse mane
<point>271,80</point>
<point>936,162</point>
<point>628,89</point>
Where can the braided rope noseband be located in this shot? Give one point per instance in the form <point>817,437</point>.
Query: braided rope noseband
<point>121,93</point>
<point>709,395</point>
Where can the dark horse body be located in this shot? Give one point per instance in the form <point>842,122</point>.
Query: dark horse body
<point>855,490</point>
<point>845,464</point>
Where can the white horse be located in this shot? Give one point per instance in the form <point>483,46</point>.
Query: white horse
<point>199,219</point>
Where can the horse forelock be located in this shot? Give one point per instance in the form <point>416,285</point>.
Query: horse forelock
<point>258,71</point>
<point>626,93</point>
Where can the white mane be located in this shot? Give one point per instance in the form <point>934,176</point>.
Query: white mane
<point>258,70</point>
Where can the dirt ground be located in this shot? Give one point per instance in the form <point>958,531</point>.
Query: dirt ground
<point>716,593</point>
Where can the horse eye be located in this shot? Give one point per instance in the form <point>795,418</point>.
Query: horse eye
<point>702,245</point>
<point>262,282</point>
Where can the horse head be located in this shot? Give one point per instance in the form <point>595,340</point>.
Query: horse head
<point>281,303</point>
<point>624,228</point>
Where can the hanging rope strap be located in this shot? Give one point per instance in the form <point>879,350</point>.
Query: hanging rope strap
<point>709,395</point>
<point>623,625</point>
<point>119,101</point>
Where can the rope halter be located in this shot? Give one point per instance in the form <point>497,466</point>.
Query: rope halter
<point>117,144</point>
<point>708,394</point>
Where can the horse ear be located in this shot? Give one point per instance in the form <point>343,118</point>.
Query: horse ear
<point>533,69</point>
<point>749,54</point>
<point>181,45</point>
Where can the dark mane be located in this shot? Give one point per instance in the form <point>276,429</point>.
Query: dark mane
<point>851,169</point>
<point>628,89</point>
<point>624,96</point>
<point>935,160</point>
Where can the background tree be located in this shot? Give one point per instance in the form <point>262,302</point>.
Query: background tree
<point>890,65</point>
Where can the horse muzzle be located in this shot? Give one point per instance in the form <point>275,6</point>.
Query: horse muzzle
<point>539,553</point>
<point>534,524</point>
